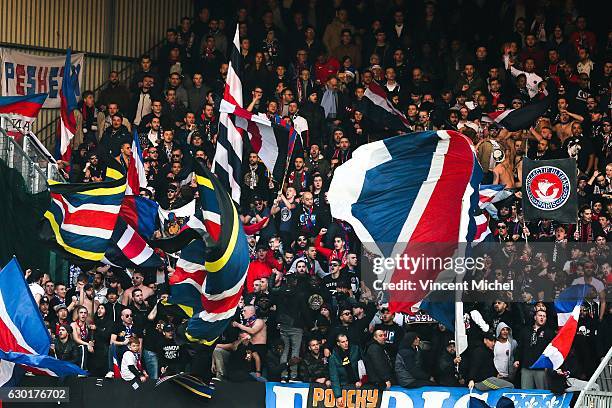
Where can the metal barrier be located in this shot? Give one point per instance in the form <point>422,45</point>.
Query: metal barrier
<point>590,396</point>
<point>27,162</point>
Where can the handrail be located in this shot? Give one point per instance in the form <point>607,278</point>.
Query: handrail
<point>63,51</point>
<point>52,124</point>
<point>604,363</point>
<point>33,176</point>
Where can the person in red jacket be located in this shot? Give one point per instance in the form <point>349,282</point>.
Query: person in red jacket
<point>325,67</point>
<point>339,252</point>
<point>264,266</point>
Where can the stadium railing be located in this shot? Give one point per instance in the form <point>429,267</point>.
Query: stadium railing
<point>598,391</point>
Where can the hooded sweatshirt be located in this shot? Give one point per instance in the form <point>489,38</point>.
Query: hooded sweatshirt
<point>503,352</point>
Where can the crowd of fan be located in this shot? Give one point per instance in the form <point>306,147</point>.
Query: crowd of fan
<point>306,314</point>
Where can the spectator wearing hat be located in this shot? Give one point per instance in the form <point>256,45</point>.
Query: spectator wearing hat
<point>172,358</point>
<point>62,318</point>
<point>504,351</point>
<point>447,372</point>
<point>409,363</point>
<point>482,373</point>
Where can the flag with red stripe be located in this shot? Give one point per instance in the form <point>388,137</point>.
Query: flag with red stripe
<point>136,176</point>
<point>227,164</point>
<point>209,277</point>
<point>20,112</point>
<point>128,249</point>
<point>81,217</point>
<point>381,111</point>
<point>24,340</point>
<point>523,118</point>
<point>274,142</point>
<point>68,103</point>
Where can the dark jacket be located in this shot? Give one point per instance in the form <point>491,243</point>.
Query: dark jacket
<point>67,351</point>
<point>445,370</point>
<point>110,143</point>
<point>378,364</point>
<point>409,362</point>
<point>528,353</point>
<point>482,366</point>
<point>338,373</point>
<point>312,368</point>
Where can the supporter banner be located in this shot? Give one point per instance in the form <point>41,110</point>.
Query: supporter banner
<point>302,395</point>
<point>549,190</point>
<point>26,74</point>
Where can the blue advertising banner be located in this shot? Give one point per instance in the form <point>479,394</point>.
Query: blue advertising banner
<point>301,395</point>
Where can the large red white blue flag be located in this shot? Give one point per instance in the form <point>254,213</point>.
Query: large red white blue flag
<point>410,196</point>
<point>67,122</point>
<point>20,112</point>
<point>24,339</point>
<point>136,176</point>
<point>568,312</point>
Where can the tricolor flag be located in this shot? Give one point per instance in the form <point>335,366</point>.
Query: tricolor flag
<point>382,112</point>
<point>68,103</point>
<point>227,164</point>
<point>482,228</point>
<point>136,176</point>
<point>393,191</point>
<point>523,118</point>
<point>82,216</point>
<point>209,292</point>
<point>274,143</point>
<point>182,225</point>
<point>24,339</point>
<point>490,194</point>
<point>20,112</point>
<point>568,313</point>
<point>127,249</point>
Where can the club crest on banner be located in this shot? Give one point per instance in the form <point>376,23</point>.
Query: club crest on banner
<point>548,188</point>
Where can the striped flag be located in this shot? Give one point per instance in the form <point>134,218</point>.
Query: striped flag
<point>82,216</point>
<point>274,142</point>
<point>381,111</point>
<point>523,118</point>
<point>227,164</point>
<point>392,193</point>
<point>24,340</point>
<point>568,313</point>
<point>209,292</point>
<point>128,249</point>
<point>20,112</point>
<point>68,103</point>
<point>482,228</point>
<point>136,176</point>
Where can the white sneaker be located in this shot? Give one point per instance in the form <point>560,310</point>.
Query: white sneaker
<point>110,374</point>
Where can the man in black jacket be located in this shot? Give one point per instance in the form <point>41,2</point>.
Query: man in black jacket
<point>483,373</point>
<point>409,367</point>
<point>532,343</point>
<point>313,367</point>
<point>377,361</point>
<point>64,347</point>
<point>291,311</point>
